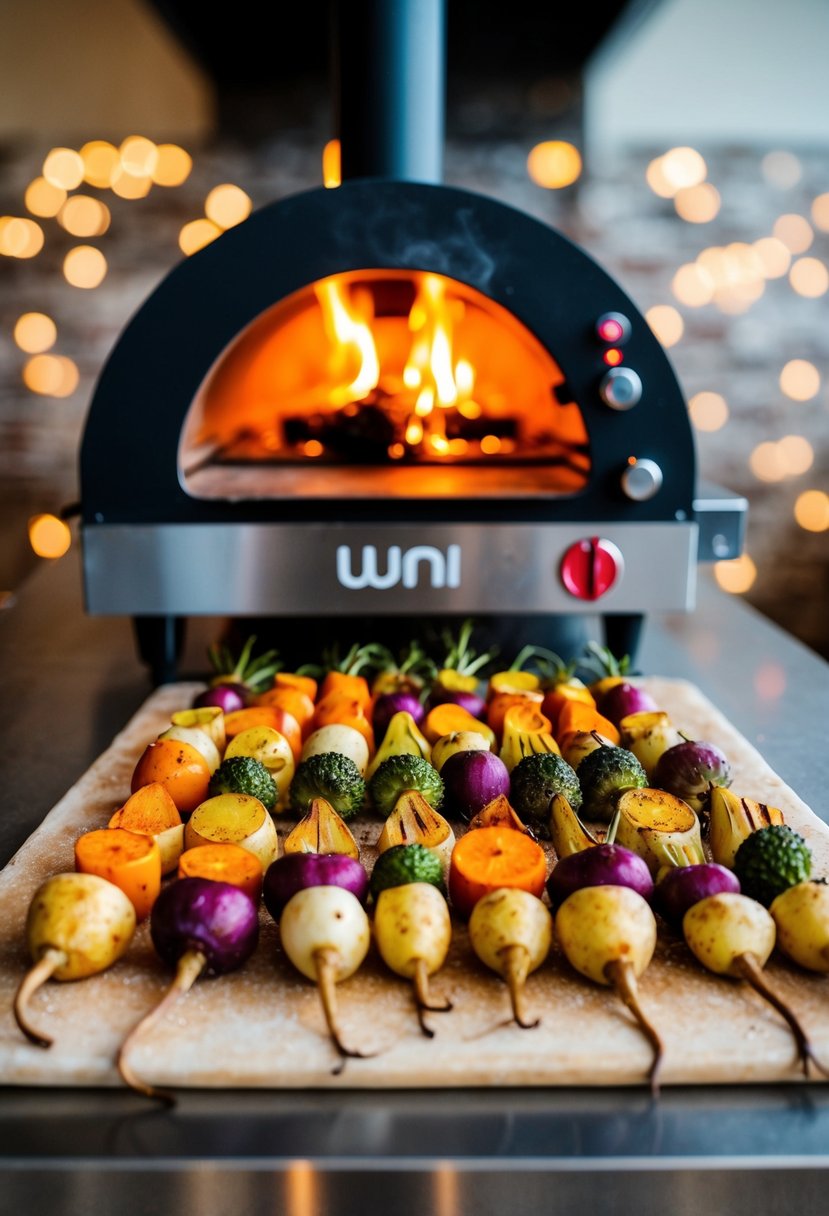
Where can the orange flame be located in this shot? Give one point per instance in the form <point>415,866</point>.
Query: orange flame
<point>353,342</point>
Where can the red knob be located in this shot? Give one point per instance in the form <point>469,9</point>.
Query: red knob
<point>591,567</point>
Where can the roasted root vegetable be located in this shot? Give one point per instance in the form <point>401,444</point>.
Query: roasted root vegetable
<point>801,914</point>
<point>244,674</point>
<point>179,767</point>
<point>733,935</point>
<point>150,811</point>
<point>198,927</point>
<point>210,719</point>
<point>577,744</point>
<point>604,865</point>
<point>691,770</point>
<point>526,731</point>
<point>660,828</point>
<point>498,813</point>
<point>77,925</point>
<point>402,738</point>
<point>609,935</point>
<point>511,931</point>
<point>648,735</point>
<point>624,699</point>
<point>449,718</point>
<point>237,819</point>
<point>197,738</point>
<point>326,935</point>
<point>387,704</point>
<point>224,863</point>
<point>413,821</point>
<point>567,832</point>
<point>471,780</point>
<point>488,858</point>
<point>296,871</point>
<point>126,859</point>
<point>322,830</point>
<point>413,932</point>
<point>680,888</point>
<point>458,741</point>
<point>732,819</point>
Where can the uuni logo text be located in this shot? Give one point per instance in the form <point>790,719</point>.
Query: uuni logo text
<point>444,570</point>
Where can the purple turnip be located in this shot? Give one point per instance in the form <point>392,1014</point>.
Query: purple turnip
<point>685,886</point>
<point>470,701</point>
<point>200,927</point>
<point>296,871</point>
<point>623,699</point>
<point>601,865</point>
<point>471,780</point>
<point>390,703</point>
<point>227,697</point>
<point>690,770</point>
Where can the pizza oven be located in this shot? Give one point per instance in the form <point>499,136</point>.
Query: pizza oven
<point>392,399</point>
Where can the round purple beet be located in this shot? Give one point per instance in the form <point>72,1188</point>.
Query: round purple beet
<point>390,703</point>
<point>471,780</point>
<point>228,697</point>
<point>296,871</point>
<point>215,918</point>
<point>689,770</point>
<point>685,886</point>
<point>470,701</point>
<point>601,865</point>
<point>623,699</point>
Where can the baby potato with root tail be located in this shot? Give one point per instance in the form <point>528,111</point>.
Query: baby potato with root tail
<point>413,931</point>
<point>512,931</point>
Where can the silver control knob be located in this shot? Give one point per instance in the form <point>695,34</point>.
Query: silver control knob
<point>621,388</point>
<point>642,479</point>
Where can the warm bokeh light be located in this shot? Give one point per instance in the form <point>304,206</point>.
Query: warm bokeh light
<point>44,199</point>
<point>196,235</point>
<point>34,333</point>
<point>697,204</point>
<point>100,159</point>
<point>49,536</point>
<point>781,169</point>
<point>820,212</point>
<point>139,156</point>
<point>84,266</point>
<point>84,216</point>
<point>490,444</point>
<point>736,576</point>
<point>812,510</point>
<point>693,285</point>
<point>332,174</point>
<point>554,164</point>
<point>172,166</point>
<point>658,182</point>
<point>800,380</point>
<point>738,297</point>
<point>127,185</point>
<point>51,375</point>
<point>63,167</point>
<point>709,411</point>
<point>775,258</point>
<point>797,454</point>
<point>767,462</point>
<point>809,277</point>
<point>20,238</point>
<point>770,681</point>
<point>795,232</point>
<point>683,167</point>
<point>227,206</point>
<point>666,323</point>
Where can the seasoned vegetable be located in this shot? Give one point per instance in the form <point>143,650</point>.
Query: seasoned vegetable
<point>770,860</point>
<point>498,814</point>
<point>458,741</point>
<point>624,699</point>
<point>179,767</point>
<point>413,821</point>
<point>488,858</point>
<point>471,780</point>
<point>609,935</point>
<point>77,925</point>
<point>567,832</point>
<point>601,866</point>
<point>197,738</point>
<point>691,770</point>
<point>322,830</point>
<point>126,859</point>
<point>296,871</point>
<point>413,932</point>
<point>603,775</point>
<point>235,818</point>
<point>332,777</point>
<point>399,774</point>
<point>511,931</point>
<point>342,739</point>
<point>526,731</point>
<point>273,751</point>
<point>801,914</point>
<point>580,743</point>
<point>224,863</point>
<point>405,863</point>
<point>200,928</point>
<point>390,703</point>
<point>244,775</point>
<point>660,828</point>
<point>210,719</point>
<point>683,886</point>
<point>150,811</point>
<point>535,781</point>
<point>244,675</point>
<point>402,738</point>
<point>648,735</point>
<point>732,819</point>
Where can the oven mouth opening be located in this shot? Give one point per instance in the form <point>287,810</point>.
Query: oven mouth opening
<point>384,383</point>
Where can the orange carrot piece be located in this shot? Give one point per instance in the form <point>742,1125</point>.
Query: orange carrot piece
<point>289,679</point>
<point>223,863</point>
<point>355,687</point>
<point>488,858</point>
<point>149,810</point>
<point>180,768</point>
<point>293,700</point>
<point>446,719</point>
<point>576,716</point>
<point>127,860</point>
<point>502,701</point>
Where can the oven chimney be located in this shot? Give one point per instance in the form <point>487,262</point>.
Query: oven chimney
<point>389,85</point>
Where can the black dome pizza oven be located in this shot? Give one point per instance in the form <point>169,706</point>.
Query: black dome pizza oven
<point>391,398</point>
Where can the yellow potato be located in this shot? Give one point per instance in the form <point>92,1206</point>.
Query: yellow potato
<point>412,923</point>
<point>237,819</point>
<point>85,917</point>
<point>722,928</point>
<point>597,926</point>
<point>801,915</point>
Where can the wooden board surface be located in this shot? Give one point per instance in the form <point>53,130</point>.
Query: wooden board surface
<point>263,1027</point>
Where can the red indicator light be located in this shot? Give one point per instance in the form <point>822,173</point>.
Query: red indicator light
<point>613,357</point>
<point>610,330</point>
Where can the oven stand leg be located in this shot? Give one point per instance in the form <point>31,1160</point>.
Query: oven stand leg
<point>159,640</point>
<point>623,632</point>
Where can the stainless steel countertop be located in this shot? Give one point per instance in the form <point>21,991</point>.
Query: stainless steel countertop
<point>70,682</point>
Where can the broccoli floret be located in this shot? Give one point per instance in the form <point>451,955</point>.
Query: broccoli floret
<point>244,775</point>
<point>534,782</point>
<point>331,776</point>
<point>401,773</point>
<point>404,863</point>
<point>603,774</point>
<point>770,861</point>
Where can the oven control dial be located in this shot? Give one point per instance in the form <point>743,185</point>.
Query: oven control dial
<point>642,479</point>
<point>591,567</point>
<point>621,388</point>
